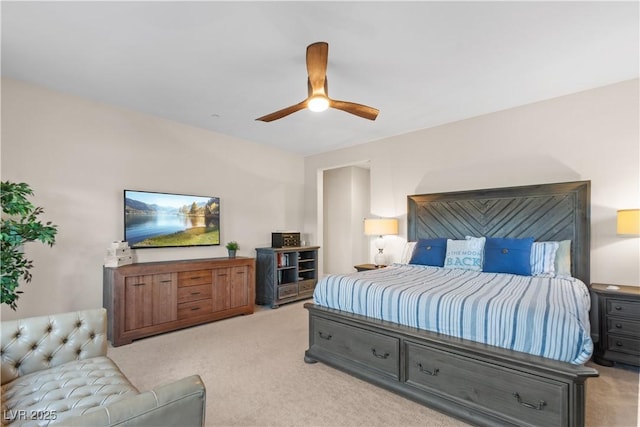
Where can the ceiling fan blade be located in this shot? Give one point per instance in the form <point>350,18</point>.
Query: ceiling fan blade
<point>284,112</point>
<point>353,108</point>
<point>317,54</point>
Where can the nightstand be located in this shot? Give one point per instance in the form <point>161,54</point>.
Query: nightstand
<point>365,267</point>
<point>618,314</point>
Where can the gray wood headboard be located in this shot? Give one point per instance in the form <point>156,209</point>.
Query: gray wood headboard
<point>545,212</point>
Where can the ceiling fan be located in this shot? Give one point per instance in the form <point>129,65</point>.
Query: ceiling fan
<point>318,98</point>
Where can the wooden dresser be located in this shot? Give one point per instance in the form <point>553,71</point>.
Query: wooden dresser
<point>150,298</point>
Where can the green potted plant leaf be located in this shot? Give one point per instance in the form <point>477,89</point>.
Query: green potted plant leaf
<point>232,247</point>
<point>20,224</point>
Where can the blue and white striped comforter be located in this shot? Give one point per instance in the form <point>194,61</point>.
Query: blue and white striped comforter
<point>543,316</point>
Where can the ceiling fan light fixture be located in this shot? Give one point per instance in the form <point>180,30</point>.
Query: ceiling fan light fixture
<point>318,96</point>
<point>318,103</point>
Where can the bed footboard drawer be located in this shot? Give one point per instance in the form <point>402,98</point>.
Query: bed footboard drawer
<point>512,395</point>
<point>369,349</point>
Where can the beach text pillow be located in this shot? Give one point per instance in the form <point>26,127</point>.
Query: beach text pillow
<point>465,254</point>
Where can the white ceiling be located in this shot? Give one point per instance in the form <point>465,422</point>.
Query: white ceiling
<point>220,65</point>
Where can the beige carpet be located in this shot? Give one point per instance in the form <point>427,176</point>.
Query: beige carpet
<point>255,375</point>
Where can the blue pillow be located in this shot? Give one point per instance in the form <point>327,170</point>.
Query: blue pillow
<point>429,252</point>
<point>504,255</point>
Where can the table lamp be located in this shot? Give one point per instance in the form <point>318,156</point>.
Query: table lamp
<point>380,227</point>
<point>629,222</point>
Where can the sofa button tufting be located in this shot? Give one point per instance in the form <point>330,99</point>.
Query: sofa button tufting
<point>88,381</point>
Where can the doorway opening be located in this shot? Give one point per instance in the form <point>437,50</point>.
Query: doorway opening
<point>343,203</point>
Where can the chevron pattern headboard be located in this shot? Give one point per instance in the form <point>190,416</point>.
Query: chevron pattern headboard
<point>546,212</point>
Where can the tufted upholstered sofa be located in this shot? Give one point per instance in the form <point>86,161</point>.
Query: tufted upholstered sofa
<point>55,371</point>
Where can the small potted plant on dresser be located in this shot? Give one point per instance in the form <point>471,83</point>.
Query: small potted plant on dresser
<point>232,247</point>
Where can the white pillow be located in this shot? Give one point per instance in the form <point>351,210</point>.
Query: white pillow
<point>563,260</point>
<point>543,258</point>
<point>407,251</point>
<point>465,254</point>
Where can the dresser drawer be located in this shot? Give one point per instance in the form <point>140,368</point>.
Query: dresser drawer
<point>617,307</point>
<point>620,326</point>
<point>306,286</point>
<point>194,278</point>
<point>194,293</point>
<point>368,349</point>
<point>524,398</point>
<point>195,308</point>
<point>287,291</point>
<point>623,344</point>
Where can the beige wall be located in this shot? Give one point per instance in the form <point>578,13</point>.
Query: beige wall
<point>592,135</point>
<point>79,155</point>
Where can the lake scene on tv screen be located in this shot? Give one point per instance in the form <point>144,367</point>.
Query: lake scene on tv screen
<point>155,220</point>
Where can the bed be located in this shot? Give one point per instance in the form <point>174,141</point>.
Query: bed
<point>433,346</point>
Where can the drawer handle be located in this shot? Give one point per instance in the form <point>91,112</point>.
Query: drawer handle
<point>324,336</point>
<point>196,277</point>
<point>195,308</point>
<point>619,344</point>
<point>618,325</point>
<point>537,407</point>
<point>617,307</point>
<point>140,284</point>
<point>195,293</point>
<point>424,371</point>
<point>165,281</point>
<point>379,356</point>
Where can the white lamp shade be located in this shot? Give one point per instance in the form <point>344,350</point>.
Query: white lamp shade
<point>629,222</point>
<point>380,226</point>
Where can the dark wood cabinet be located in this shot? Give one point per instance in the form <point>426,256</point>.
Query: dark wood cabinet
<point>618,317</point>
<point>150,298</point>
<point>285,274</point>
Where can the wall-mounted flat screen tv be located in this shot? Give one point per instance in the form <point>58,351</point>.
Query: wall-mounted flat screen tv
<point>163,220</point>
